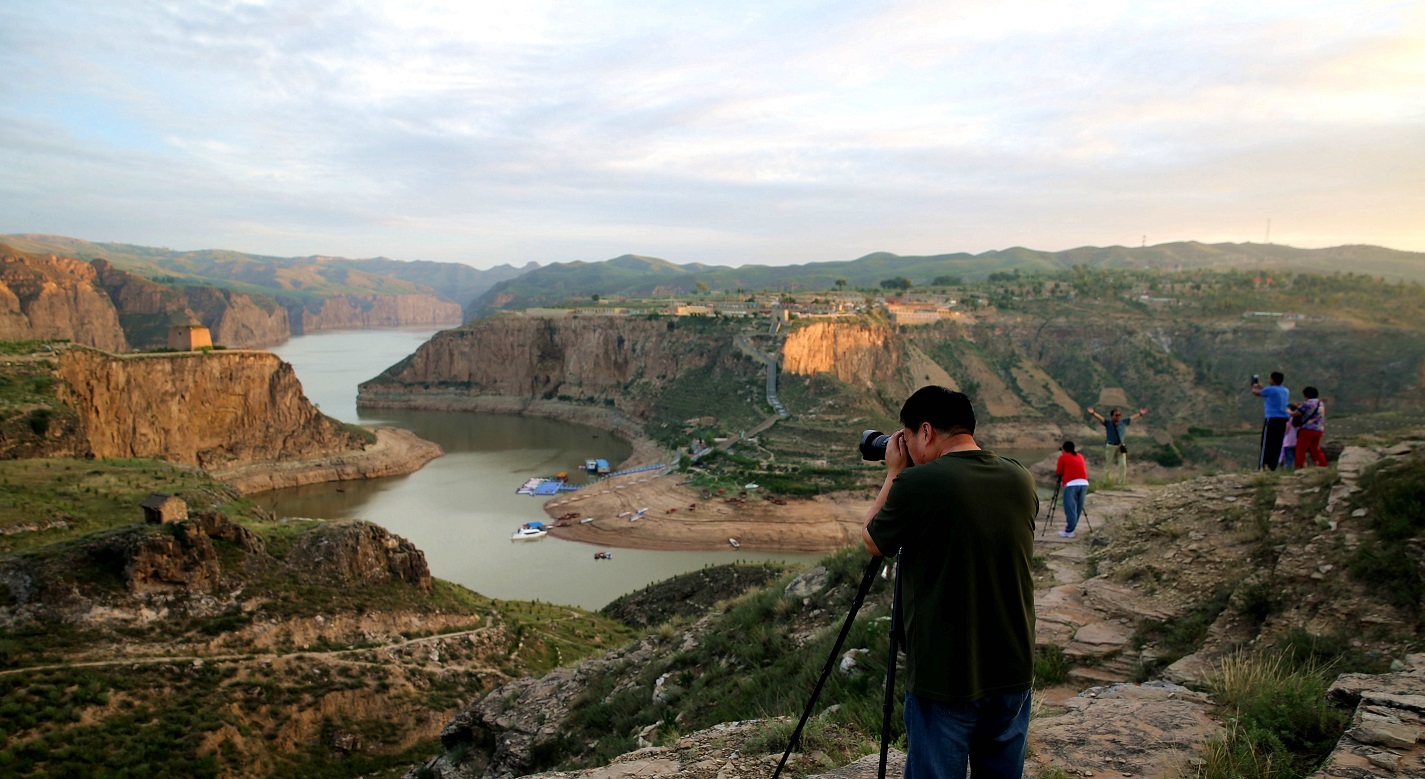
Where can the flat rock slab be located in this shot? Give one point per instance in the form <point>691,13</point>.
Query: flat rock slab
<point>1128,730</point>
<point>1384,738</point>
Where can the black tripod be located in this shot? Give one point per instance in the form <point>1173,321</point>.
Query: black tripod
<point>1052,502</point>
<point>888,705</point>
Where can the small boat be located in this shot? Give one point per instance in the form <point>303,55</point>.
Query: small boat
<point>625,514</point>
<point>591,465</point>
<point>586,520</point>
<point>529,531</point>
<point>734,543</point>
<point>639,515</point>
<point>603,555</point>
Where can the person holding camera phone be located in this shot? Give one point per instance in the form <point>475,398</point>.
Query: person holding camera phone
<point>1274,399</point>
<point>1115,447</point>
<point>962,520</point>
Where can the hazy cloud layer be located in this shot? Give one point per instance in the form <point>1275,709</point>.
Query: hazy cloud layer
<point>724,133</point>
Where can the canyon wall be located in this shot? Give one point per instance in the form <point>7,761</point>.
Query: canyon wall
<point>47,297</point>
<point>237,320</point>
<point>852,353</point>
<point>147,308</point>
<point>610,361</point>
<point>55,298</point>
<point>357,311</point>
<point>210,410</point>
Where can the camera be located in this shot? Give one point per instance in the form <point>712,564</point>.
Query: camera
<point>873,445</point>
<point>1256,378</point>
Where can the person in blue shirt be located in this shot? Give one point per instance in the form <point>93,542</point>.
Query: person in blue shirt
<point>1274,399</point>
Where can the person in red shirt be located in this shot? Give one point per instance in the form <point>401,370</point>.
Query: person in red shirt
<point>1073,474</point>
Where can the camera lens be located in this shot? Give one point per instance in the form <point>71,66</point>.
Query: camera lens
<point>873,445</point>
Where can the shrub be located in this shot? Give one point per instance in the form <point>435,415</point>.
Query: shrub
<point>1392,496</point>
<point>1051,666</point>
<point>1281,723</point>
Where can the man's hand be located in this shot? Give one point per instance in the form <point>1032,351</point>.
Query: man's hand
<point>1091,412</point>
<point>897,454</point>
<point>1143,411</point>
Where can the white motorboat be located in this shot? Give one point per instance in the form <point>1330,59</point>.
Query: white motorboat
<point>529,531</point>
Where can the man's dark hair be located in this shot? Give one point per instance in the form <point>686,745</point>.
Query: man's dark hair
<point>1068,447</point>
<point>1310,393</point>
<point>1278,377</point>
<point>946,410</point>
<point>1113,411</point>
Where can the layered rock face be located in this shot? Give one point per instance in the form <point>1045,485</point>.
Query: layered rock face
<point>533,358</point>
<point>237,320</point>
<point>146,309</point>
<point>55,298</point>
<point>355,311</point>
<point>852,353</point>
<point>210,410</point>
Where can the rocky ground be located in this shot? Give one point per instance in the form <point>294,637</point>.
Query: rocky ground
<point>396,451</point>
<point>1155,557</point>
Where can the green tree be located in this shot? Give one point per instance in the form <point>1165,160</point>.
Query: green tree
<point>840,284</point>
<point>947,281</point>
<point>899,282</point>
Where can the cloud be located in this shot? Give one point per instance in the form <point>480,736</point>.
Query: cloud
<point>491,132</point>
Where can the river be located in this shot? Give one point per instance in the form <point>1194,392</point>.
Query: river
<point>461,508</point>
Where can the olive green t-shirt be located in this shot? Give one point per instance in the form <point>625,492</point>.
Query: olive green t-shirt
<point>964,524</point>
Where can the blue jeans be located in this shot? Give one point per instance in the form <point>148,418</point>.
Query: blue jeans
<point>1073,505</point>
<point>989,735</point>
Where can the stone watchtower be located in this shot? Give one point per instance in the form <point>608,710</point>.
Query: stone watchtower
<point>189,338</point>
<point>161,508</point>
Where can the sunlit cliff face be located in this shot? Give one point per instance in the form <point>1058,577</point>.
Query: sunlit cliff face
<point>852,353</point>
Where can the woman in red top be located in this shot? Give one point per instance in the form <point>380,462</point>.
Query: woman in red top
<point>1073,474</point>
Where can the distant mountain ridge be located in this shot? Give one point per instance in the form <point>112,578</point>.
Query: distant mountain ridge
<point>641,276</point>
<point>282,277</point>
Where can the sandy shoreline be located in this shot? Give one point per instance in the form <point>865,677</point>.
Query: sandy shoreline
<point>680,518</point>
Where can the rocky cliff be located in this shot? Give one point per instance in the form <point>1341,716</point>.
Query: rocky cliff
<point>240,415</point>
<point>146,309</point>
<point>49,297</point>
<point>850,352</point>
<point>209,410</point>
<point>356,311</point>
<point>237,320</point>
<point>622,362</point>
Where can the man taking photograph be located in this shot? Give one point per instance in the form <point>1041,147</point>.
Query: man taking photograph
<point>962,520</point>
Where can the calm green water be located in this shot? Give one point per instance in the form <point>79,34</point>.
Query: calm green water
<point>461,508</point>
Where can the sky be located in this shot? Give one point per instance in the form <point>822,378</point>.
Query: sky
<point>725,132</point>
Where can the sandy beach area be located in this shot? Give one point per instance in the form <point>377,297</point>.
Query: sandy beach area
<point>679,517</point>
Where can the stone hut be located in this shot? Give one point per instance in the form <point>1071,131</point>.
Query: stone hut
<point>189,338</point>
<point>160,508</point>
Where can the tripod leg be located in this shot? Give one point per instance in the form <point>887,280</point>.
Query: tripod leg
<point>1085,515</point>
<point>889,703</point>
<point>1049,519</point>
<point>867,580</point>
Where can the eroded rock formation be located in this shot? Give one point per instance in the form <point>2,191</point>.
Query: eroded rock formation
<point>55,298</point>
<point>146,309</point>
<point>621,361</point>
<point>209,410</point>
<point>851,352</point>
